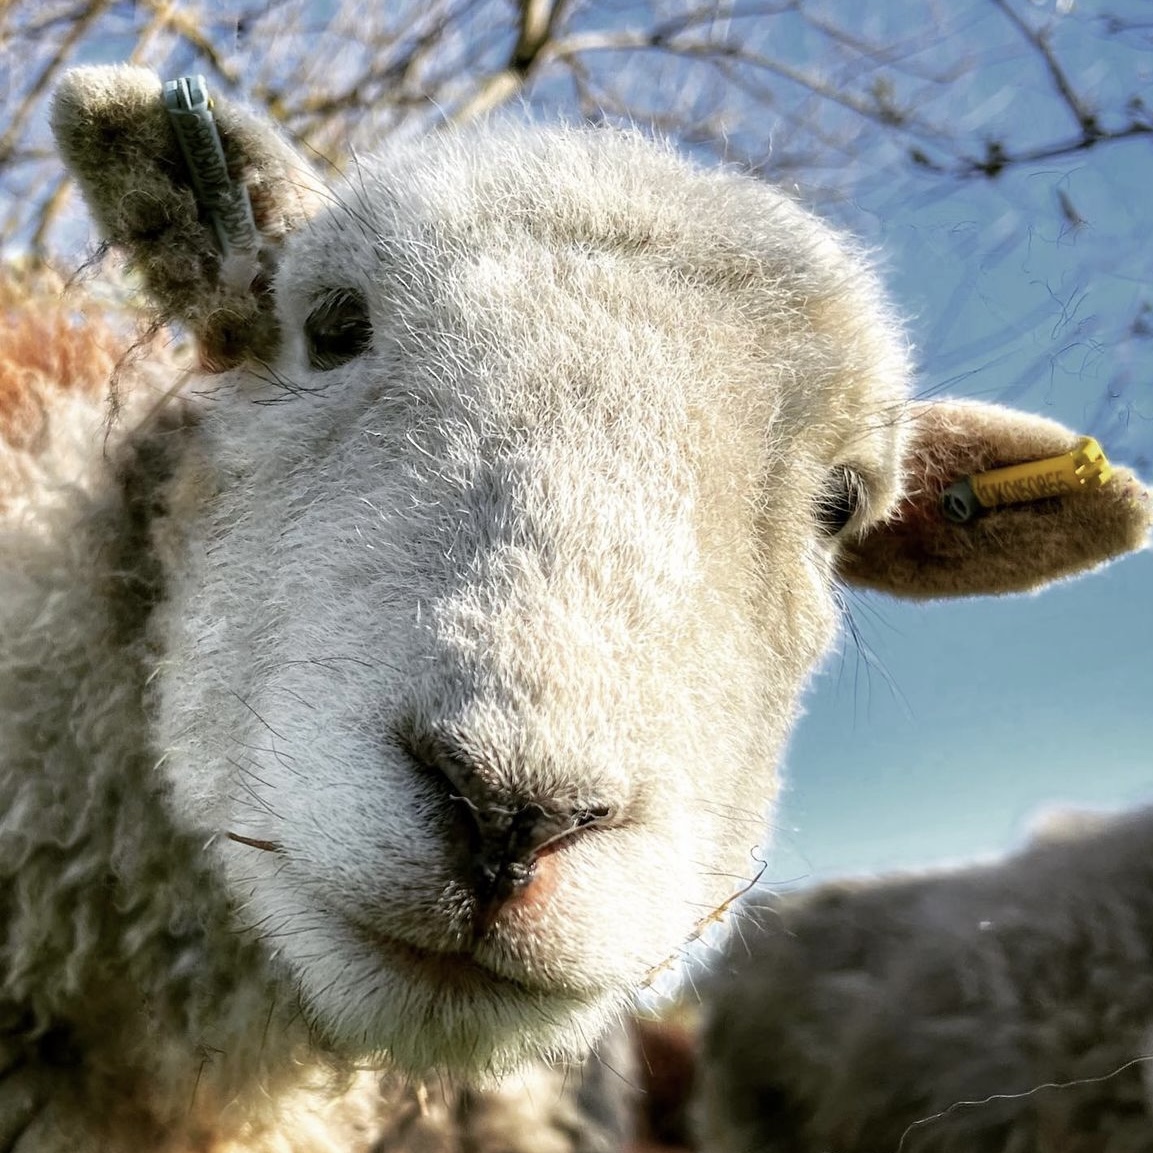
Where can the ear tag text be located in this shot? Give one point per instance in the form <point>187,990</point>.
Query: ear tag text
<point>224,202</point>
<point>1083,469</point>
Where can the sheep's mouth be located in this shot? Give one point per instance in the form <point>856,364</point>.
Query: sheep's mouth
<point>453,971</point>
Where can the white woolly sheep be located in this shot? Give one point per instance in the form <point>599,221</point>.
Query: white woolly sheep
<point>1003,1008</point>
<point>381,694</point>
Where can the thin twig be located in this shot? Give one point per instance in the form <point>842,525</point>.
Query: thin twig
<point>76,32</point>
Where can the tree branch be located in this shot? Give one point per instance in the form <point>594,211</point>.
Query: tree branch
<point>535,28</point>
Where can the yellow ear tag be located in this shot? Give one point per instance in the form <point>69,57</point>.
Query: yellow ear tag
<point>1085,467</point>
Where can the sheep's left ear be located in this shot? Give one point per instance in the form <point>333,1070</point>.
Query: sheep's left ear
<point>920,552</point>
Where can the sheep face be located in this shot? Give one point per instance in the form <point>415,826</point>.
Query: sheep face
<point>517,538</point>
<point>499,542</point>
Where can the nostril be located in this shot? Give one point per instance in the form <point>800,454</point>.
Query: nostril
<point>567,826</point>
<point>442,764</point>
<point>592,815</point>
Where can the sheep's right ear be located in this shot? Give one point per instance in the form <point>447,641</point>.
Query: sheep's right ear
<point>118,141</point>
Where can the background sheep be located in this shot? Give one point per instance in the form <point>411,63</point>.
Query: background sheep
<point>385,691</point>
<point>1000,1007</point>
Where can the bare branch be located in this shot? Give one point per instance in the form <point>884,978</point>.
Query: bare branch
<point>1039,39</point>
<point>77,30</point>
<point>167,14</point>
<point>534,35</point>
<point>997,158</point>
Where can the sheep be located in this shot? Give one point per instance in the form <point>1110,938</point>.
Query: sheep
<point>1004,1006</point>
<point>377,695</point>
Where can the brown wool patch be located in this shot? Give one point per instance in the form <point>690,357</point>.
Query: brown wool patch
<point>48,345</point>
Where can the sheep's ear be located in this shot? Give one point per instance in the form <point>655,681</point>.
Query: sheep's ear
<point>118,141</point>
<point>920,552</point>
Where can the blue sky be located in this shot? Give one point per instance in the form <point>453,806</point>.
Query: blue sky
<point>973,716</point>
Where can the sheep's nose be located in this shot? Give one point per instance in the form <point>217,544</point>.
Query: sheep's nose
<point>506,845</point>
<point>507,832</point>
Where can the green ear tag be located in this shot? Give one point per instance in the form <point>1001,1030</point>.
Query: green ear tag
<point>224,202</point>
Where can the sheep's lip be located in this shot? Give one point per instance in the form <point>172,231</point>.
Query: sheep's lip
<point>455,971</point>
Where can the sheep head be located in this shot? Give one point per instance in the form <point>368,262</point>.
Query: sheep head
<point>499,540</point>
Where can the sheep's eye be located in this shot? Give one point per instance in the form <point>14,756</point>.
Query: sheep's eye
<point>337,329</point>
<point>839,500</point>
